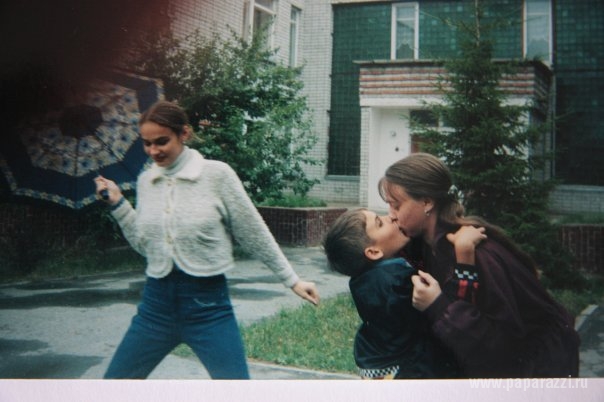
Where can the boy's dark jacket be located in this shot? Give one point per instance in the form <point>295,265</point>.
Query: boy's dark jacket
<point>393,332</point>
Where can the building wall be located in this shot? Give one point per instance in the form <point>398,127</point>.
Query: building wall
<point>315,53</point>
<point>437,40</point>
<point>579,67</point>
<point>316,56</point>
<point>209,17</point>
<point>362,32</point>
<point>572,199</point>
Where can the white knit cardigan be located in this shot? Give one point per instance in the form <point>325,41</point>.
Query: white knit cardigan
<point>191,217</point>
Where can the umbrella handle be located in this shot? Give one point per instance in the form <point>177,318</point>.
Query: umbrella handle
<point>103,193</point>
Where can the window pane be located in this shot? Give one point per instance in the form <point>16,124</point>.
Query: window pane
<point>265,3</point>
<point>404,41</point>
<point>293,36</point>
<point>405,13</point>
<point>537,6</point>
<point>424,117</point>
<point>538,19</point>
<point>405,32</point>
<point>261,20</point>
<point>538,37</point>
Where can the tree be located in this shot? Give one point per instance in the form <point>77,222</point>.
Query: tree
<point>246,109</point>
<point>489,144</point>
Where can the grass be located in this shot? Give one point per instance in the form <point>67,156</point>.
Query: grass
<point>312,337</point>
<point>321,338</point>
<point>575,301</point>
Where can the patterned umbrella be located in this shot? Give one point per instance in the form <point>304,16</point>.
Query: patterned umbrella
<point>58,154</point>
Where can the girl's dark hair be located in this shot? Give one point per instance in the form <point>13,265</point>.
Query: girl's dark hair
<point>424,176</point>
<point>166,114</point>
<point>345,242</point>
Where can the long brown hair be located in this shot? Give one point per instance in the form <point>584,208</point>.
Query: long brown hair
<point>166,114</point>
<point>424,176</point>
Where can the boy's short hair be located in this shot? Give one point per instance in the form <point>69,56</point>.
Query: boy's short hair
<point>345,243</point>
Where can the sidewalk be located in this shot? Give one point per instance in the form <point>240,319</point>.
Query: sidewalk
<point>70,328</point>
<point>590,325</point>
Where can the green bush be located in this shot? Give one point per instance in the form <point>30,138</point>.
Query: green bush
<point>246,109</point>
<point>22,252</point>
<point>29,249</point>
<point>293,201</point>
<point>72,261</point>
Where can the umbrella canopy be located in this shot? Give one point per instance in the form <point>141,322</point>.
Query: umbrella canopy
<point>56,155</point>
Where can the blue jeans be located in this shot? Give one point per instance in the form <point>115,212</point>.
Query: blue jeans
<point>182,309</point>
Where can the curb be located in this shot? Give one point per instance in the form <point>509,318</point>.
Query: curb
<point>584,315</point>
<point>302,373</point>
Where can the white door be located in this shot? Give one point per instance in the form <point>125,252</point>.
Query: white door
<point>390,141</point>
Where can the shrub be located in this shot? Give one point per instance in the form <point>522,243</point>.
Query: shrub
<point>293,201</point>
<point>246,109</point>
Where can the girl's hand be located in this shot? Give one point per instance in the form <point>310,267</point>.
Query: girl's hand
<point>307,290</point>
<point>425,290</point>
<point>113,191</point>
<point>465,241</point>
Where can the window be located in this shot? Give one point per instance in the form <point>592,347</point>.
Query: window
<point>405,28</point>
<point>258,16</point>
<point>537,30</point>
<point>294,32</point>
<point>425,118</point>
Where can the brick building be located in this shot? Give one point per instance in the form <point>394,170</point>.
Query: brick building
<point>341,43</point>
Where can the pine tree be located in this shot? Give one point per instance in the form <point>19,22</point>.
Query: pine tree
<point>488,145</point>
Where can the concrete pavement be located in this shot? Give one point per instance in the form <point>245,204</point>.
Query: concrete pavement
<point>70,328</point>
<point>590,325</point>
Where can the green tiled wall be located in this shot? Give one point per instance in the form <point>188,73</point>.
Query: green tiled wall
<point>438,40</point>
<point>579,68</point>
<point>362,32</point>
